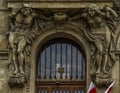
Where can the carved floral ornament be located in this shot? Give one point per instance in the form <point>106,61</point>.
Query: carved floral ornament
<point>96,25</point>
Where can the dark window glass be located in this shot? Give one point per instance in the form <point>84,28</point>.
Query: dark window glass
<point>61,58</point>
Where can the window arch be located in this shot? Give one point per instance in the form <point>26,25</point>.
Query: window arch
<point>61,60</point>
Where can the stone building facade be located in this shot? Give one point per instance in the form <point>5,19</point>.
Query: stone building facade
<point>59,46</point>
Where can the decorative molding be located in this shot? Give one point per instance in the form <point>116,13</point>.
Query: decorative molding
<point>60,4</point>
<point>61,0</point>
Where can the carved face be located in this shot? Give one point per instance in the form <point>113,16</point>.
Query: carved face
<point>92,9</point>
<point>14,10</point>
<point>25,10</point>
<point>91,12</point>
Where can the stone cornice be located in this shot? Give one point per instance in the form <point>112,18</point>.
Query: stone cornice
<point>63,0</point>
<point>60,4</point>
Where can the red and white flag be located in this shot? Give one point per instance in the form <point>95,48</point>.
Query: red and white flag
<point>92,88</point>
<point>109,89</point>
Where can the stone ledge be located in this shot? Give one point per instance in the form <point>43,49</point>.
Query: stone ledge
<point>59,0</point>
<point>61,4</point>
<point>4,54</point>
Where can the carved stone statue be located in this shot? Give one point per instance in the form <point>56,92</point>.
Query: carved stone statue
<point>101,27</point>
<point>25,26</point>
<point>19,37</point>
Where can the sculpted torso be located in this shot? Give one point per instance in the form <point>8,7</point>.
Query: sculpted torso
<point>23,22</point>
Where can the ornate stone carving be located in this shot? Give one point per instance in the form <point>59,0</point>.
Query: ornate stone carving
<point>100,26</point>
<point>21,37</point>
<point>25,26</point>
<point>101,23</point>
<point>60,16</point>
<point>96,25</point>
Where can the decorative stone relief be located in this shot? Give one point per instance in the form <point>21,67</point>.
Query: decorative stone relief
<point>21,37</point>
<point>101,23</point>
<point>24,28</point>
<point>95,24</point>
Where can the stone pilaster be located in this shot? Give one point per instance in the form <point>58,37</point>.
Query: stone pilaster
<point>3,71</point>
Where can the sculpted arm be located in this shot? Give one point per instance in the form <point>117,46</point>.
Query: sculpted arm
<point>113,13</point>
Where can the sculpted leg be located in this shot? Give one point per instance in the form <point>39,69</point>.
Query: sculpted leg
<point>13,51</point>
<point>14,60</point>
<point>105,63</point>
<point>21,46</point>
<point>106,55</point>
<point>99,57</point>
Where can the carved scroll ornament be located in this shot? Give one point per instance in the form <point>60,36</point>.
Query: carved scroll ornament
<point>98,29</point>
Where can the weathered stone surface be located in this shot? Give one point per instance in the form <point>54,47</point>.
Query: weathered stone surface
<point>61,4</point>
<point>56,22</point>
<point>3,77</point>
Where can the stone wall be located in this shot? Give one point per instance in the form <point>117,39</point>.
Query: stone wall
<point>3,45</point>
<point>4,51</point>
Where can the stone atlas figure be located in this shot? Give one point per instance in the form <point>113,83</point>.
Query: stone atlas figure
<point>102,30</point>
<point>99,23</point>
<point>21,24</point>
<point>25,26</point>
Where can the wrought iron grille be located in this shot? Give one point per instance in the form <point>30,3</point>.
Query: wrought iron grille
<point>61,59</point>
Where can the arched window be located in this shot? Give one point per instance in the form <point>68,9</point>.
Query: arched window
<point>61,62</point>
